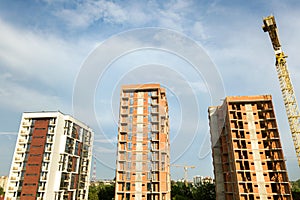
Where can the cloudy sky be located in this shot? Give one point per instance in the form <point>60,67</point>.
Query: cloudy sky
<point>73,56</point>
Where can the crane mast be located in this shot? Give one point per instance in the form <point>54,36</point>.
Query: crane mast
<point>286,86</point>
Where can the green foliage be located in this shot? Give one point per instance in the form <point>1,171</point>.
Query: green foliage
<point>106,192</point>
<point>101,192</point>
<point>296,189</point>
<point>204,191</point>
<point>1,191</point>
<point>179,191</point>
<point>93,192</point>
<point>296,185</point>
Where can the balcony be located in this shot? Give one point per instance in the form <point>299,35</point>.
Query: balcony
<point>124,121</point>
<point>122,149</point>
<point>26,123</point>
<point>123,130</point>
<point>154,119</point>
<point>47,159</point>
<point>154,129</point>
<point>19,159</point>
<point>154,110</point>
<point>42,188</point>
<point>124,104</point>
<point>22,140</point>
<point>48,149</point>
<point>49,140</point>
<point>52,122</point>
<point>124,112</point>
<point>23,132</point>
<point>15,168</point>
<point>154,101</point>
<point>20,149</point>
<point>11,188</point>
<point>154,94</point>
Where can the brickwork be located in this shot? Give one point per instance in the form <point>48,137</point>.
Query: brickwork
<point>246,140</point>
<point>143,170</point>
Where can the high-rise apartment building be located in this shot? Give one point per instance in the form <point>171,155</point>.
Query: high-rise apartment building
<point>52,158</point>
<point>143,169</point>
<point>247,154</point>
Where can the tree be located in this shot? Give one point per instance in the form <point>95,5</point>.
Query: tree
<point>181,191</point>
<point>101,192</point>
<point>93,192</point>
<point>296,189</point>
<point>1,191</point>
<point>204,191</point>
<point>106,192</point>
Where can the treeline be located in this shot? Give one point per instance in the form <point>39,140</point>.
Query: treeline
<point>179,191</point>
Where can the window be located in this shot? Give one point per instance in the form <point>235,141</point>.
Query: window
<point>129,145</point>
<point>128,175</point>
<point>127,186</point>
<point>129,136</point>
<point>31,174</point>
<point>33,164</point>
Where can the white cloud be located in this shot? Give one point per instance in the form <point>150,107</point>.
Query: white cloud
<point>39,69</point>
<point>9,133</point>
<point>88,12</point>
<point>18,97</point>
<point>175,15</point>
<point>40,56</point>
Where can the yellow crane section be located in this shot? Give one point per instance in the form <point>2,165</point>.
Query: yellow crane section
<point>286,86</point>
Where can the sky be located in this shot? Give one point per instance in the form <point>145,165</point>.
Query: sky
<point>73,56</point>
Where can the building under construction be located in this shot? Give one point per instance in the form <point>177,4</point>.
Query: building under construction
<point>247,154</point>
<point>143,163</point>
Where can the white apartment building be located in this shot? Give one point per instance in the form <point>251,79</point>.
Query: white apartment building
<point>52,158</point>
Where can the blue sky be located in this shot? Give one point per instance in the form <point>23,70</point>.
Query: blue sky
<point>46,45</point>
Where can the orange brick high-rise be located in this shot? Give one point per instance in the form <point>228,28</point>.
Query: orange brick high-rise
<point>143,169</point>
<point>247,154</point>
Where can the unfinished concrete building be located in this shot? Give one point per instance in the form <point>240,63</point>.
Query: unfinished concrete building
<point>143,169</point>
<point>247,154</point>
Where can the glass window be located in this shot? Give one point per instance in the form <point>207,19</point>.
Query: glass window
<point>129,145</point>
<point>129,135</point>
<point>130,127</point>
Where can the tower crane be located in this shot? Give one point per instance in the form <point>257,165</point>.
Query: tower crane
<point>286,86</point>
<point>185,168</point>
